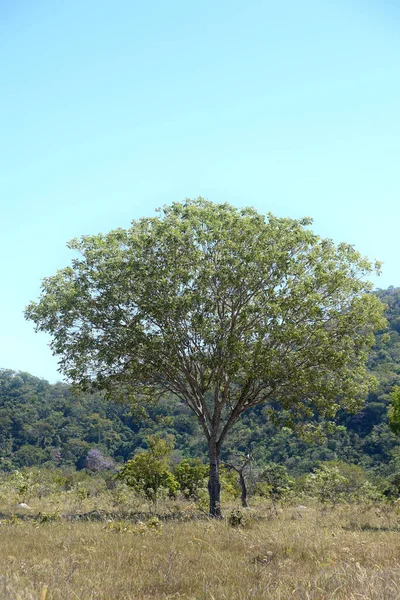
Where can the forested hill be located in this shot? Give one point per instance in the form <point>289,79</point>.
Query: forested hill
<point>44,424</point>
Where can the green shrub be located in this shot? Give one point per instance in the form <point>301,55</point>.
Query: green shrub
<point>236,518</point>
<point>230,489</point>
<point>336,482</point>
<point>275,483</point>
<point>326,484</point>
<point>148,472</point>
<point>190,475</point>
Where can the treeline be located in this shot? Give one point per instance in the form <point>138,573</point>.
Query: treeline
<point>44,424</point>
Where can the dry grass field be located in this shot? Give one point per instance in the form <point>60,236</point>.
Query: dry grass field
<point>346,553</point>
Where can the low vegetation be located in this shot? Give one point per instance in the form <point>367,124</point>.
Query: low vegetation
<point>90,542</point>
<point>90,535</point>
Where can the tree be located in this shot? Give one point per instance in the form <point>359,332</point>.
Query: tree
<point>225,309</point>
<point>96,461</point>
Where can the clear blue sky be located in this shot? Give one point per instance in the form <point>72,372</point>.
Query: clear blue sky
<point>111,109</point>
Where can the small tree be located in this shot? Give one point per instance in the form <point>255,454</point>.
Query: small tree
<point>226,309</point>
<point>148,472</point>
<point>327,484</point>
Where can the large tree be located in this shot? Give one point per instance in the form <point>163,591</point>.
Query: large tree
<point>225,309</point>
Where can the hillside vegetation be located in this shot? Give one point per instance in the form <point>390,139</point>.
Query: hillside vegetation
<point>44,424</point>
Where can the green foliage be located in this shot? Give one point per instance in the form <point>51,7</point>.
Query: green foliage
<point>190,475</point>
<point>326,484</point>
<point>236,518</point>
<point>30,406</point>
<point>226,309</point>
<point>148,472</point>
<point>23,483</point>
<point>390,483</point>
<point>28,483</point>
<point>43,424</point>
<point>260,308</point>
<point>52,425</point>
<point>229,483</point>
<point>394,410</point>
<point>336,482</point>
<point>275,483</point>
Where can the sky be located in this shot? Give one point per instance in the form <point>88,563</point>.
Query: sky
<point>109,110</point>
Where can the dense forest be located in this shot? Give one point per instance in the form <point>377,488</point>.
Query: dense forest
<point>51,425</point>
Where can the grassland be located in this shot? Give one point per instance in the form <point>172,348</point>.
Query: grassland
<point>342,553</point>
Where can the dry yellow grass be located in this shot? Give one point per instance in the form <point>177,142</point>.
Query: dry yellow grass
<point>344,554</point>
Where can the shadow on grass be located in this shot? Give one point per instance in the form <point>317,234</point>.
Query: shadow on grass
<point>103,516</point>
<point>367,527</point>
<point>99,515</point>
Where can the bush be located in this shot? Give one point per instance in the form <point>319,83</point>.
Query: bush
<point>326,484</point>
<point>230,488</point>
<point>275,483</point>
<point>236,518</point>
<point>190,475</point>
<point>337,482</point>
<point>148,472</point>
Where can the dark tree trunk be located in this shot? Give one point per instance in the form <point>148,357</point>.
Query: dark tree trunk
<point>214,486</point>
<point>242,480</point>
<point>243,487</point>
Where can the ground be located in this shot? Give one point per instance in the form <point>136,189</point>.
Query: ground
<point>312,553</point>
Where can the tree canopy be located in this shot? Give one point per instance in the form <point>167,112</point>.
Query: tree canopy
<point>224,308</point>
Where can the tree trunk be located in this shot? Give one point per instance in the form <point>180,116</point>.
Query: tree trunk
<point>214,486</point>
<point>244,490</point>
